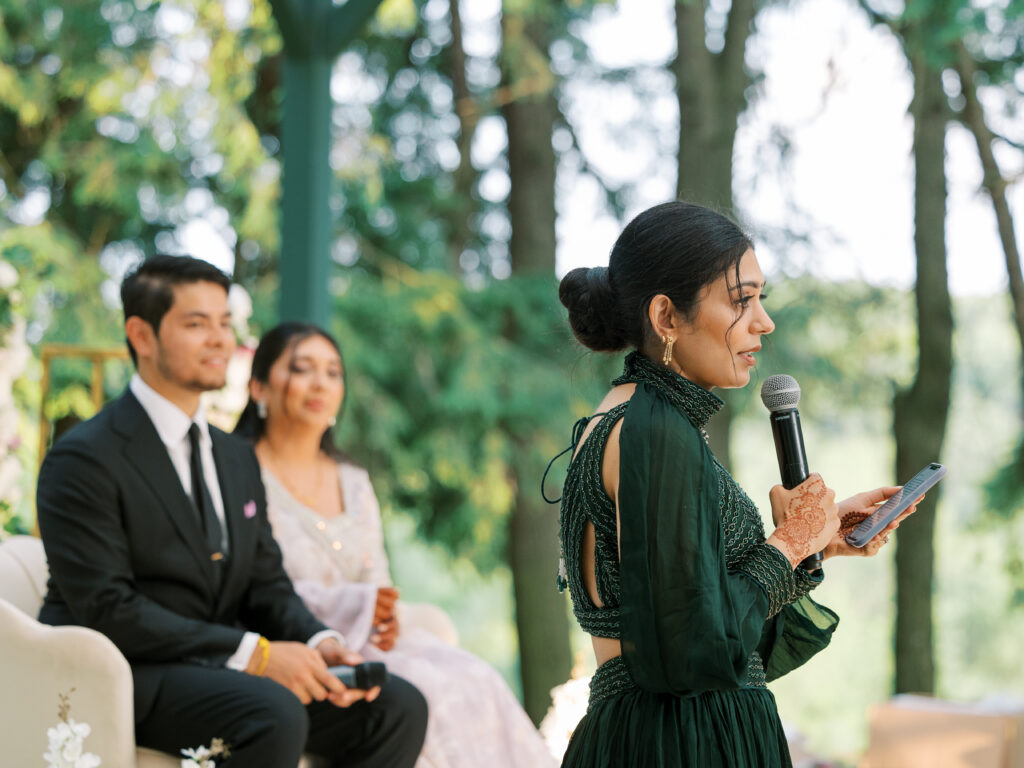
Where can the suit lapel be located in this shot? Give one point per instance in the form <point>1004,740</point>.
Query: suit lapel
<point>144,450</point>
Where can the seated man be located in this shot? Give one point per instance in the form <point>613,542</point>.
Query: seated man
<point>155,528</point>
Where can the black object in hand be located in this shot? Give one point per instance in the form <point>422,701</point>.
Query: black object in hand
<point>363,676</point>
<point>781,395</point>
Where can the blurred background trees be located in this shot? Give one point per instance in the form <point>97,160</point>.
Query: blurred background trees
<point>462,137</point>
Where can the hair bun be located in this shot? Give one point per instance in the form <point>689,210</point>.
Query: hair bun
<point>593,312</point>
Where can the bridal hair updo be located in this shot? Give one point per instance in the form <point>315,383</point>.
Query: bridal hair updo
<point>675,249</point>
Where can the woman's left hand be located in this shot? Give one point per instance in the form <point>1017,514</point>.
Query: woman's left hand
<point>855,510</point>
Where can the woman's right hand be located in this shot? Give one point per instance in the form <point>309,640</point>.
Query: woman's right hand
<point>806,518</point>
<point>385,619</point>
<point>384,610</point>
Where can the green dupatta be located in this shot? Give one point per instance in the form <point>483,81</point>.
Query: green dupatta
<point>688,623</point>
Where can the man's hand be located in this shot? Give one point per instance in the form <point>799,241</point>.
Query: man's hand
<point>334,653</point>
<point>303,671</point>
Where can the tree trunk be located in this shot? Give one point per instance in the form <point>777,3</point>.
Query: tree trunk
<point>920,413</point>
<point>541,616</point>
<point>711,89</point>
<point>468,113</point>
<point>974,119</point>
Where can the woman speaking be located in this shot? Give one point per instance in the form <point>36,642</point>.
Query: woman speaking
<point>690,607</point>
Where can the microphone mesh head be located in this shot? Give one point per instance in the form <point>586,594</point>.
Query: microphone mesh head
<point>780,393</point>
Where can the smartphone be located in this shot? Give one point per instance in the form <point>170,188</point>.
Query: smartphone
<point>896,505</point>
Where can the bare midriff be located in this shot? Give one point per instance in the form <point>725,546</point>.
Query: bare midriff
<point>605,648</point>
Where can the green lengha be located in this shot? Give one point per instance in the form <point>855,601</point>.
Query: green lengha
<point>705,609</point>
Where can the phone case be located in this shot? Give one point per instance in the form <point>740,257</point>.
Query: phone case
<point>896,505</point>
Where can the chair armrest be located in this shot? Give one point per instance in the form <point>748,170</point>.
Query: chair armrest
<point>39,662</point>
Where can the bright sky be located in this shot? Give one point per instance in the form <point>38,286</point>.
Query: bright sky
<point>840,89</point>
<point>837,88</point>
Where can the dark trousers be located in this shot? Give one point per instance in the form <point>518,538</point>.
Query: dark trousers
<point>265,726</point>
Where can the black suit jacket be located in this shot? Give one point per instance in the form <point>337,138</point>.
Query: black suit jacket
<point>126,550</point>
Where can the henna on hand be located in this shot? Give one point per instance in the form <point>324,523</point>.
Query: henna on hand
<point>804,517</point>
<point>849,521</point>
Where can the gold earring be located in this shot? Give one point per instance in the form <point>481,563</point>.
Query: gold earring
<point>667,357</point>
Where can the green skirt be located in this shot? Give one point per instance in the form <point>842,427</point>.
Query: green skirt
<point>633,728</point>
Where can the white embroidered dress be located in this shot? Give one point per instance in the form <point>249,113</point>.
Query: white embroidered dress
<point>336,565</point>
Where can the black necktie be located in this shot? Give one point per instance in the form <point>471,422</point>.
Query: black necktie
<point>203,501</point>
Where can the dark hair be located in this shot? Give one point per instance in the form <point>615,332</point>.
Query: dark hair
<point>279,340</point>
<point>148,290</point>
<point>675,249</point>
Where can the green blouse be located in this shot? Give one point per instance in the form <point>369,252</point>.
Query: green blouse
<point>687,582</point>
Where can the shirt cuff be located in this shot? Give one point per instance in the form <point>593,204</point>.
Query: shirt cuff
<point>240,658</point>
<point>319,637</point>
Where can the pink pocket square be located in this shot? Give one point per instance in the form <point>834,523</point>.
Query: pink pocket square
<point>249,510</point>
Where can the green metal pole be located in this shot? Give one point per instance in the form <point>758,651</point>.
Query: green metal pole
<point>314,32</point>
<point>306,219</point>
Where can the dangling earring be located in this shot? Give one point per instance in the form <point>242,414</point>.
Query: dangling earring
<point>261,409</point>
<point>667,357</point>
<point>332,421</point>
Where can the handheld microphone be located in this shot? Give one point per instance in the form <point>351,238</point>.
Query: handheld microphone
<point>781,395</point>
<point>362,676</point>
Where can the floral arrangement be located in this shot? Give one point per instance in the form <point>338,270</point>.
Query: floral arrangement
<point>202,757</point>
<point>568,705</point>
<point>14,356</point>
<point>65,740</point>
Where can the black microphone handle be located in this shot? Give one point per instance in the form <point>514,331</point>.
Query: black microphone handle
<point>789,447</point>
<point>362,676</point>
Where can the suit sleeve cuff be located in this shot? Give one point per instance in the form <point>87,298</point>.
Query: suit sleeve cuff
<point>319,637</point>
<point>239,660</point>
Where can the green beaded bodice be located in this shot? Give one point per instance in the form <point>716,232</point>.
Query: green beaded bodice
<point>584,500</point>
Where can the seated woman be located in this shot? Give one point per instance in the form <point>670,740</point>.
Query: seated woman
<point>326,519</point>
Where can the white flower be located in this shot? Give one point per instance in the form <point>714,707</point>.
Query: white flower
<point>568,705</point>
<point>65,741</point>
<point>58,735</point>
<point>72,750</point>
<point>240,307</point>
<point>201,757</point>
<point>8,276</point>
<point>81,730</point>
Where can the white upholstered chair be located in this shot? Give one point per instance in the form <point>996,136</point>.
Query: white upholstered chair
<point>39,662</point>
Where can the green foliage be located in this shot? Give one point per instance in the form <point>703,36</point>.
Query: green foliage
<point>847,344</point>
<point>111,113</point>
<point>11,524</point>
<point>439,403</point>
<point>1005,491</point>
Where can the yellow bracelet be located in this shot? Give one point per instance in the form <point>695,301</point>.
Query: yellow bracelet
<point>264,645</point>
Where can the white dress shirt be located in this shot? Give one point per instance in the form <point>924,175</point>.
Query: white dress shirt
<point>172,425</point>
